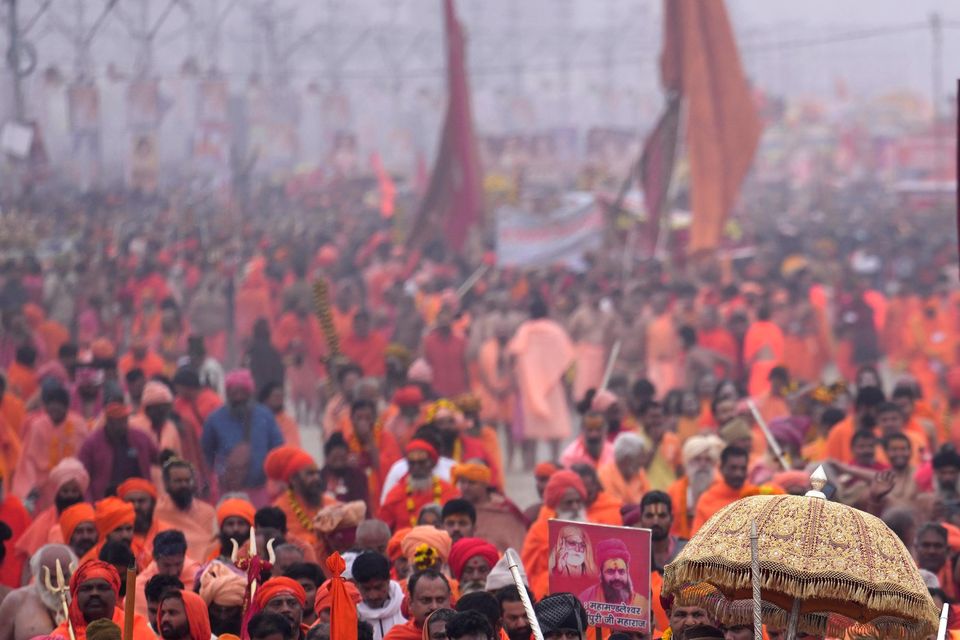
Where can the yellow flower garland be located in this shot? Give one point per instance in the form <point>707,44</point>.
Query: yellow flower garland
<point>298,511</point>
<point>412,506</point>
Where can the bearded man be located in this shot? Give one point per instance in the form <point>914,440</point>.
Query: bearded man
<point>179,509</point>
<point>701,455</point>
<point>78,528</point>
<point>616,585</point>
<point>31,610</point>
<point>183,616</point>
<point>303,497</point>
<point>68,483</point>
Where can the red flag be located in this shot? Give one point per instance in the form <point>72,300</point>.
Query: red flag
<point>454,199</point>
<point>388,191</point>
<point>656,165</point>
<point>701,60</point>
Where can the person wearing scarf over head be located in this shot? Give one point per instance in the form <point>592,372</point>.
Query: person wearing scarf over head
<point>114,520</point>
<point>235,516</point>
<point>336,527</point>
<point>66,486</point>
<point>563,498</point>
<point>284,597</point>
<point>420,487</point>
<point>426,547</point>
<point>183,616</point>
<point>142,494</point>
<point>303,496</point>
<point>223,589</point>
<point>94,594</point>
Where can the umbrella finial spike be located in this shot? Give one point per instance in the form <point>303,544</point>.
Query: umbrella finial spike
<point>818,480</point>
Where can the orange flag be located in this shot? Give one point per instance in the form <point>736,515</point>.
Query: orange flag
<point>343,610</point>
<point>701,62</point>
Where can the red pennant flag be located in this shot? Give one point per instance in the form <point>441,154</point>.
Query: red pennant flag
<point>700,59</point>
<point>656,165</point>
<point>388,191</point>
<point>454,200</point>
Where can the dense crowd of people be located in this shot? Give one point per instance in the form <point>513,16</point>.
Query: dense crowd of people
<point>170,367</point>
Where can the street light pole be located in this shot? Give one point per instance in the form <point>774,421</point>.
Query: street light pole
<point>13,60</point>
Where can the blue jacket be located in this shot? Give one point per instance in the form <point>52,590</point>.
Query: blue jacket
<point>222,432</point>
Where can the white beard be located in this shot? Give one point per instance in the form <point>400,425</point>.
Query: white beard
<point>576,516</point>
<point>50,601</point>
<point>700,481</point>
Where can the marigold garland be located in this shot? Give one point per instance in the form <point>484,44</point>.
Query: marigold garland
<point>412,506</point>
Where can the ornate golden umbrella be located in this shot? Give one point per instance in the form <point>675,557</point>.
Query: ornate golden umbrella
<point>823,567</point>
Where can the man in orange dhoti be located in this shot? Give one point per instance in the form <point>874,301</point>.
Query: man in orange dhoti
<point>94,593</point>
<point>542,353</point>
<point>726,490</point>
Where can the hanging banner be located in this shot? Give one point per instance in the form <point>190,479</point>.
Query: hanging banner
<point>143,105</point>
<point>607,568</point>
<point>144,163</point>
<point>558,236</point>
<point>83,108</point>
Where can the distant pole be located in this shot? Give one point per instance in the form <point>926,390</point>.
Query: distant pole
<point>936,33</point>
<point>13,60</point>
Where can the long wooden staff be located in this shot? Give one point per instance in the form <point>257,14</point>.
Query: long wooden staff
<point>129,602</point>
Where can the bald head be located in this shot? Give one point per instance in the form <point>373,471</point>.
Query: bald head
<point>373,535</point>
<point>47,556</point>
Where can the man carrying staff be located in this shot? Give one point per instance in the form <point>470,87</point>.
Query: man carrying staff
<point>94,593</point>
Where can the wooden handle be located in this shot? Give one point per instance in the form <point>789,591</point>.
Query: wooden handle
<point>129,603</point>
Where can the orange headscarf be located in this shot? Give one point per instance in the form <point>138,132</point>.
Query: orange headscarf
<point>111,514</point>
<point>133,485</point>
<point>394,547</point>
<point>343,607</point>
<point>198,619</point>
<point>235,507</point>
<point>283,462</point>
<point>72,516</point>
<point>90,570</point>
<point>276,586</point>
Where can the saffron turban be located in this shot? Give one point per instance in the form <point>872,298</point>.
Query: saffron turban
<point>103,349</point>
<point>134,485</point>
<point>467,548</point>
<point>111,514</point>
<point>558,485</point>
<point>339,516</point>
<point>611,549</point>
<point>235,507</point>
<point>603,400</point>
<point>409,396</point>
<point>240,379</point>
<point>198,618</point>
<point>90,570</point>
<point>429,535</point>
<point>116,410</point>
<point>472,471</point>
<point>281,463</point>
<point>219,584</point>
<point>544,470</point>
<point>73,516</point>
<point>69,470</point>
<point>156,393</point>
<point>422,445</point>
<point>789,430</point>
<point>394,550</point>
<point>278,586</point>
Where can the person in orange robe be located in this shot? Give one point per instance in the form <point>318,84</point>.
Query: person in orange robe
<point>625,479</point>
<point>713,336</point>
<point>471,408</point>
<point>101,580</point>
<point>66,486</point>
<point>114,520</point>
<point>602,508</point>
<point>22,373</point>
<point>373,449</point>
<point>252,303</point>
<point>141,357</point>
<point>169,559</point>
<point>365,347</point>
<point>838,445</point>
<point>50,436</point>
<point>663,347</point>
<point>564,498</point>
<point>195,612</point>
<point>419,487</point>
<point>762,351</point>
<point>437,594</point>
<point>142,494</point>
<point>728,489</point>
<point>17,519</point>
<point>772,403</point>
<point>300,329</point>
<point>700,455</point>
<point>272,396</point>
<point>303,497</point>
<point>542,353</point>
<point>492,382</point>
<point>180,509</point>
<point>402,416</point>
<point>12,409</point>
